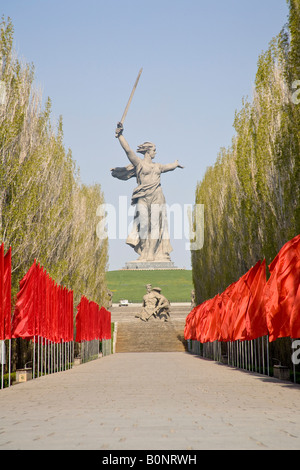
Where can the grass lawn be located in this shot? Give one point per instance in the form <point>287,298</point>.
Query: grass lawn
<point>131,285</point>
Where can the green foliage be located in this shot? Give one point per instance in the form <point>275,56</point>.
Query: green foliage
<point>251,194</point>
<point>46,213</point>
<point>6,379</point>
<point>176,285</point>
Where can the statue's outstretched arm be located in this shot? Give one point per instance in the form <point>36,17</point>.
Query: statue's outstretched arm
<point>124,144</point>
<point>170,166</point>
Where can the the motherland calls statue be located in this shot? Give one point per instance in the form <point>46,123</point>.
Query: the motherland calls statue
<point>155,305</point>
<point>150,235</point>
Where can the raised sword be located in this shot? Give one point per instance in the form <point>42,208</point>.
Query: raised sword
<point>130,98</point>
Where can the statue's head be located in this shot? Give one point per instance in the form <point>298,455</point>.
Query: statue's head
<point>149,287</point>
<point>157,289</point>
<point>147,147</point>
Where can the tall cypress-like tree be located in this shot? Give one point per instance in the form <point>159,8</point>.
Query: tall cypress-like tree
<point>41,195</point>
<point>294,82</point>
<point>251,194</point>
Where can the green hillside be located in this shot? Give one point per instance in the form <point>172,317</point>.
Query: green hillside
<point>175,285</point>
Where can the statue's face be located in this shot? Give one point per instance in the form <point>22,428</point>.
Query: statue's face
<point>152,153</point>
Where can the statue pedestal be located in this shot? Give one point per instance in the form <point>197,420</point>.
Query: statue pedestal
<point>149,265</point>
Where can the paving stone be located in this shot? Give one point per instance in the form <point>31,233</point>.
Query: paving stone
<point>151,401</point>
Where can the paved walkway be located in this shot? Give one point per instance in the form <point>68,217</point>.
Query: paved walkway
<point>151,401</point>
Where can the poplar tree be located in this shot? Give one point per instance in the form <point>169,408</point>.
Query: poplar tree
<point>251,194</point>
<point>46,212</point>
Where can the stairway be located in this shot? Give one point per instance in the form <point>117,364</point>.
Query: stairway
<point>134,335</point>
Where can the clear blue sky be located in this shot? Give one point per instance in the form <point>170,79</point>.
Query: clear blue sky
<point>199,60</point>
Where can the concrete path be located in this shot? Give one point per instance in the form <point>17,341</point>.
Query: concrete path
<point>151,401</point>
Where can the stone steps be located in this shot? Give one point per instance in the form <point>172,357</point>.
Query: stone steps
<point>134,335</point>
<point>151,336</point>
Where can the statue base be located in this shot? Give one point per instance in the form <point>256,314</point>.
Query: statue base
<point>149,265</point>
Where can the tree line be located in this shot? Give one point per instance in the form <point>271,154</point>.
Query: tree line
<point>251,195</point>
<point>46,212</point>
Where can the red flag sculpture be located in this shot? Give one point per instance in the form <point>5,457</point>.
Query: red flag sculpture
<point>295,316</point>
<point>43,308</point>
<point>282,290</point>
<point>236,314</point>
<point>2,333</point>
<point>256,323</point>
<point>23,325</point>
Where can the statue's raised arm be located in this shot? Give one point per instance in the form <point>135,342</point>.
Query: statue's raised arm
<point>124,144</point>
